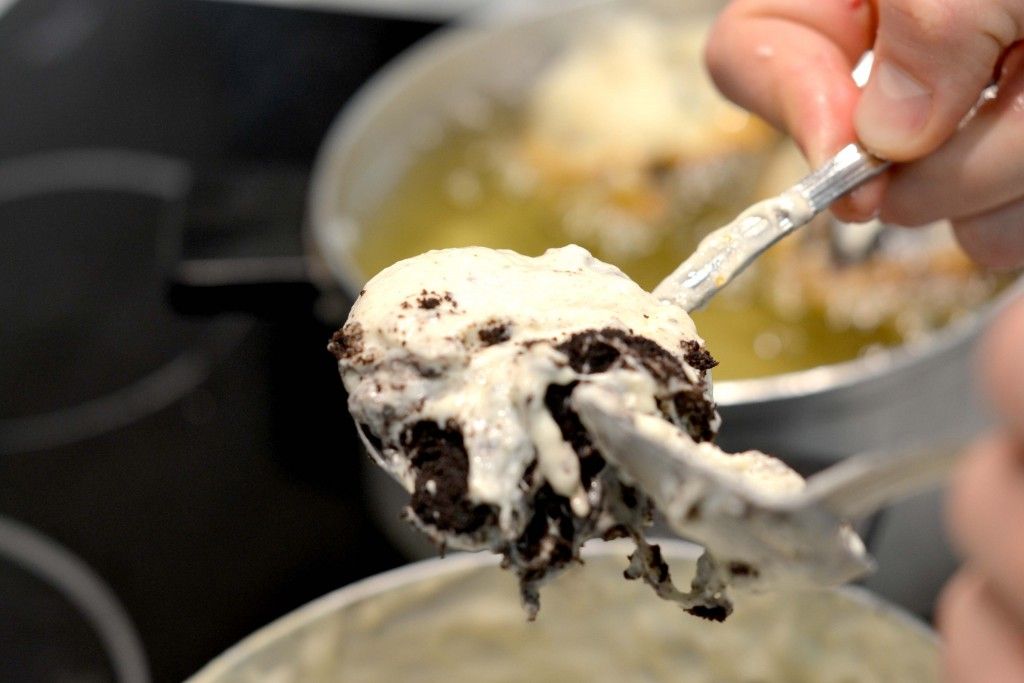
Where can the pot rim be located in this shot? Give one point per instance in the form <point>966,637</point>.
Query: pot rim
<point>438,567</point>
<point>337,266</point>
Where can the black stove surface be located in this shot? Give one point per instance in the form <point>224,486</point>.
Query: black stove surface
<point>167,483</point>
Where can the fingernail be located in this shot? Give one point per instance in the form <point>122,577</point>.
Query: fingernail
<point>893,109</point>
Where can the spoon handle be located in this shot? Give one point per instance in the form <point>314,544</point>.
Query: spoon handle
<point>726,252</point>
<point>863,484</point>
<point>851,167</point>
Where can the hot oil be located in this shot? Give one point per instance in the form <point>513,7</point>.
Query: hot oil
<point>465,191</point>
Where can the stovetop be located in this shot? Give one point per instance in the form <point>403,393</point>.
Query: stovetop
<point>168,483</point>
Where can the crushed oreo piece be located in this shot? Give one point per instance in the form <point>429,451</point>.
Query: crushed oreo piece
<point>711,613</point>
<point>440,498</point>
<point>428,302</point>
<point>737,568</point>
<point>698,413</point>
<point>596,351</point>
<point>615,532</point>
<point>347,342</point>
<point>557,399</point>
<point>495,333</point>
<point>697,356</point>
<point>591,352</point>
<point>549,534</point>
<point>659,564</point>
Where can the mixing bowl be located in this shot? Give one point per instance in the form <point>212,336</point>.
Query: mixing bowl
<point>459,619</point>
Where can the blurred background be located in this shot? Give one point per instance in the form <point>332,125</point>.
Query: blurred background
<point>168,483</point>
<point>182,228</point>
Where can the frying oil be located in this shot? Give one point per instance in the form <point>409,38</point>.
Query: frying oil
<point>473,189</point>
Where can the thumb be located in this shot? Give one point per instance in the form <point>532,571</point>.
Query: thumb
<point>932,60</point>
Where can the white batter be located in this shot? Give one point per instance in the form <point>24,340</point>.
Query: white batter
<point>470,339</point>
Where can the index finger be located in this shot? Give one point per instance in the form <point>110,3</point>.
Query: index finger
<point>790,62</point>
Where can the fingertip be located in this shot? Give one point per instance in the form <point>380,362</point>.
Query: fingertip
<point>862,204</point>
<point>847,212</point>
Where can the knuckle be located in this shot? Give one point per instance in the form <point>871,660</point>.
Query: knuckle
<point>973,31</point>
<point>1001,25</point>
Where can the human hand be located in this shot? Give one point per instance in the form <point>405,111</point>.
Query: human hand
<point>790,61</point>
<point>981,611</point>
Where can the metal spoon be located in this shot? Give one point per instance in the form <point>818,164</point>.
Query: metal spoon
<point>726,252</point>
<point>791,537</point>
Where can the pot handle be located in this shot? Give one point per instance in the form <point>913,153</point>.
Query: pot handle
<point>236,243</point>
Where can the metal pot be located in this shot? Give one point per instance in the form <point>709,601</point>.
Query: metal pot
<point>811,417</point>
<point>911,394</point>
<point>460,619</point>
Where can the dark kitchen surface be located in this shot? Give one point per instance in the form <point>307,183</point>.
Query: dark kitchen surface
<point>198,475</point>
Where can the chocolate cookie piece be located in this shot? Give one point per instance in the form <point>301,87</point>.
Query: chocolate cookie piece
<point>440,498</point>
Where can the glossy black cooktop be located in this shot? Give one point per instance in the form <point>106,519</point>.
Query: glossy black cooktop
<point>190,478</point>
